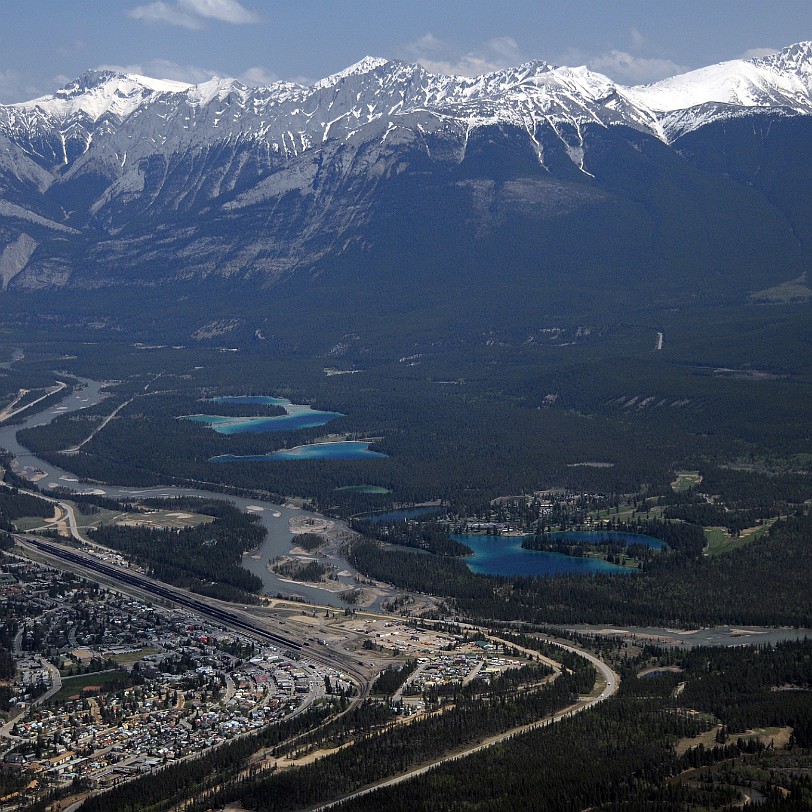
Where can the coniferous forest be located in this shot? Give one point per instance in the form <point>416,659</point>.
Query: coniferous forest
<point>705,441</point>
<point>637,745</point>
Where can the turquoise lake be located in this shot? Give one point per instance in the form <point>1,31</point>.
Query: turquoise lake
<point>343,450</point>
<point>504,555</point>
<point>299,416</point>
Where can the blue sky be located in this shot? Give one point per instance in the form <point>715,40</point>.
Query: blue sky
<point>45,43</point>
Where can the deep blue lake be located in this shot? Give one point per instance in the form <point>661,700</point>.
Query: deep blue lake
<point>343,450</point>
<point>504,555</point>
<point>299,416</point>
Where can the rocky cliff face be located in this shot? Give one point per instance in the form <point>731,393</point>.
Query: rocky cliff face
<point>120,179</point>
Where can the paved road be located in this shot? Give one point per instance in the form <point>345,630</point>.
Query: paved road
<point>231,689</point>
<point>76,448</point>
<point>10,411</point>
<point>74,528</point>
<point>611,679</point>
<point>68,514</point>
<point>56,683</point>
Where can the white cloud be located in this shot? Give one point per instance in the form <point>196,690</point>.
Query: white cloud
<point>630,69</point>
<point>643,61</point>
<point>427,47</point>
<point>70,50</point>
<point>755,53</point>
<point>226,11</point>
<point>16,87</point>
<point>258,77</point>
<point>503,51</point>
<point>638,40</point>
<point>193,14</point>
<point>440,56</point>
<point>161,12</point>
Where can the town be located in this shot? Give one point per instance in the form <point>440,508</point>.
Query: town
<point>100,687</point>
<point>106,687</point>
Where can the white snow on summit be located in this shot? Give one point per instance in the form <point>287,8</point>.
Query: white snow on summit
<point>122,118</point>
<point>215,88</point>
<point>365,65</point>
<point>99,92</point>
<point>763,82</point>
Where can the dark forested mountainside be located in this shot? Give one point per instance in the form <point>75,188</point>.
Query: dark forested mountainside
<point>646,228</point>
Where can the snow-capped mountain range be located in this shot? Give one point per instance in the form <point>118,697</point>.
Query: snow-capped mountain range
<point>110,151</point>
<point>291,118</point>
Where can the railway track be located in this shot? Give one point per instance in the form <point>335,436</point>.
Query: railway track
<point>224,616</point>
<point>176,596</point>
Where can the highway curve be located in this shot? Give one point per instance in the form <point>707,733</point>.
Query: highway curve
<point>611,678</point>
<point>243,623</point>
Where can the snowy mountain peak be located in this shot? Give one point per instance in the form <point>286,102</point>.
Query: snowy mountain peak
<point>106,78</point>
<point>794,58</point>
<point>215,88</point>
<point>97,92</point>
<point>88,81</point>
<point>781,82</point>
<point>366,65</point>
<point>532,68</point>
<point>126,117</point>
<point>223,179</point>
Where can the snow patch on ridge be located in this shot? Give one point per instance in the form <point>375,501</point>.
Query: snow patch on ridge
<point>106,115</point>
<point>97,93</point>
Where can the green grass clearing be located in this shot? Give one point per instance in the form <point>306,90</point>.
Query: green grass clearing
<point>686,480</point>
<point>721,542</point>
<point>106,681</point>
<point>778,737</point>
<point>795,290</point>
<point>171,519</point>
<point>627,512</point>
<point>27,523</point>
<point>134,656</point>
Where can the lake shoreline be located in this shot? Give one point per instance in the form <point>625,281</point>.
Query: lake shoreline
<point>504,555</point>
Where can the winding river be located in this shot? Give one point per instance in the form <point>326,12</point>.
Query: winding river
<point>274,518</point>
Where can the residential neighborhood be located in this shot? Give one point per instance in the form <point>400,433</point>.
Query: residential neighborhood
<point>106,687</point>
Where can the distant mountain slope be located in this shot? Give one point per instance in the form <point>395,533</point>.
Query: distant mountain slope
<point>383,177</point>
